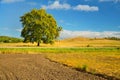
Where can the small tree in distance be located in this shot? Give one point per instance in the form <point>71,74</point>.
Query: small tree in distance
<point>39,26</point>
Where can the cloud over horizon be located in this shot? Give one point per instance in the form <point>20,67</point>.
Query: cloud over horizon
<point>57,5</point>
<point>89,34</point>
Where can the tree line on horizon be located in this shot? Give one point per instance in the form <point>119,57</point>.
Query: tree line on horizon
<point>112,38</point>
<point>7,39</point>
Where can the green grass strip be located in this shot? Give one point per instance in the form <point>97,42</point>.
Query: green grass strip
<point>55,50</point>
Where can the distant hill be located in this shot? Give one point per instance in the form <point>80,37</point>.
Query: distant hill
<point>76,39</point>
<point>89,42</point>
<point>7,39</point>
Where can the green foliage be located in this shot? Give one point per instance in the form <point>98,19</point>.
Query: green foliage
<point>39,26</point>
<point>6,39</point>
<point>84,68</point>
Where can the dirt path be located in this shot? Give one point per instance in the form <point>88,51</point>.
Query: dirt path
<point>36,67</point>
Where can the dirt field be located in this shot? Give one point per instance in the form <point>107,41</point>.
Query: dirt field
<point>37,67</point>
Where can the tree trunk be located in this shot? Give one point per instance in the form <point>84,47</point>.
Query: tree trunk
<point>38,44</point>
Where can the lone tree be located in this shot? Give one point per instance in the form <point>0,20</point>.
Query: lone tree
<point>39,26</point>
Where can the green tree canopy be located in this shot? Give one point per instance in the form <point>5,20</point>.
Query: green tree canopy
<point>39,26</point>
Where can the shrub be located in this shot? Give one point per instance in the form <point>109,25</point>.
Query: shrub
<point>84,68</point>
<point>88,45</point>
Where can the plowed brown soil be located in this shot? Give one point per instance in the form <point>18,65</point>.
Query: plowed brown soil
<point>37,67</point>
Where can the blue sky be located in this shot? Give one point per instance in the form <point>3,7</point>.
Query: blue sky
<point>88,18</point>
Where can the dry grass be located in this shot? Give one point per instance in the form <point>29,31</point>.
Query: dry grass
<point>102,62</point>
<point>84,42</point>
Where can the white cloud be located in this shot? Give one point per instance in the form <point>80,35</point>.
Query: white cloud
<point>86,8</point>
<point>57,5</point>
<point>11,1</point>
<point>66,6</point>
<point>109,0</point>
<point>91,34</point>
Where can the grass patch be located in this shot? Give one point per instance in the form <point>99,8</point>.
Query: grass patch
<point>84,68</point>
<point>54,50</point>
